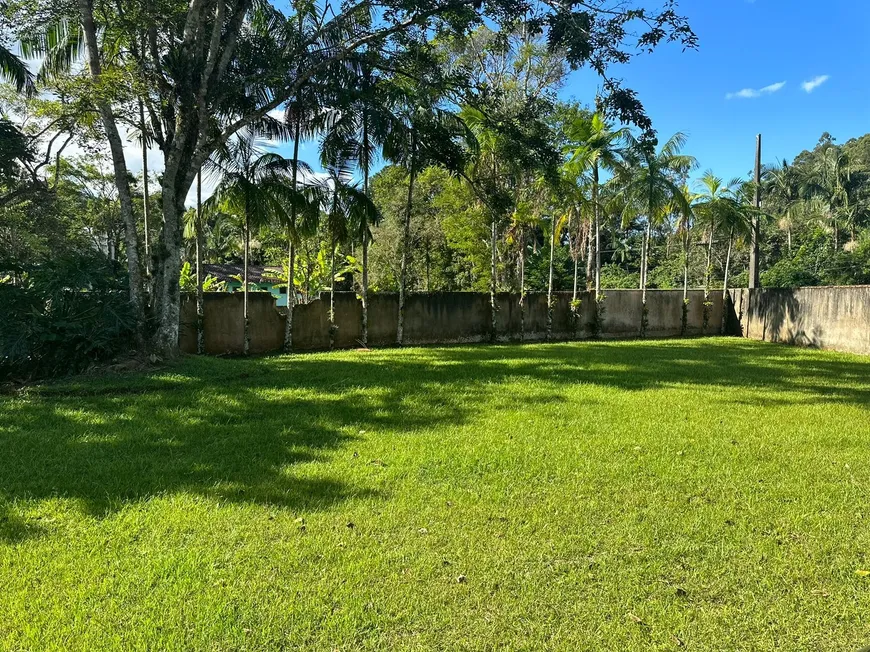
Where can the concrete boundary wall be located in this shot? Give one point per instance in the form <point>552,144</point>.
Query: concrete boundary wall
<point>443,318</point>
<point>835,318</point>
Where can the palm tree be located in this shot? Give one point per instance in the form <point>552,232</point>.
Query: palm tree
<point>598,148</point>
<point>737,223</point>
<point>684,232</point>
<point>523,221</point>
<point>348,208</point>
<point>652,187</point>
<point>423,135</point>
<point>575,207</point>
<point>14,70</point>
<point>301,116</point>
<point>831,173</point>
<point>783,184</point>
<point>717,206</point>
<point>361,123</point>
<point>253,189</point>
<point>483,144</point>
<point>557,226</point>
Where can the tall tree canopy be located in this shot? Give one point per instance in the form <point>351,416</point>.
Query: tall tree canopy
<point>206,69</point>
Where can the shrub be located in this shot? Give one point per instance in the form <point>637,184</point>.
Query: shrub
<point>66,314</point>
<point>614,277</point>
<point>787,273</point>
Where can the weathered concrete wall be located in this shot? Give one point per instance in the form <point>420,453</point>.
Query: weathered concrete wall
<point>447,317</point>
<point>440,318</point>
<point>224,326</point>
<point>822,317</point>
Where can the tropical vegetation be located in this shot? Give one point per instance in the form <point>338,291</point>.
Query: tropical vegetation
<point>448,161</point>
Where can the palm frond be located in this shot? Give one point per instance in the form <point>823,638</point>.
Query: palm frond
<point>15,70</point>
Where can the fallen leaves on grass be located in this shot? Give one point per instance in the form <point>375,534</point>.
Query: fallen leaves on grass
<point>636,619</point>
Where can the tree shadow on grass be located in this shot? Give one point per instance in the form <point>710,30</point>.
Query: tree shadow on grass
<point>238,430</point>
<point>725,364</point>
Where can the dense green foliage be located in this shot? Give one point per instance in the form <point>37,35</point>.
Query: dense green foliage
<point>450,163</point>
<point>696,494</point>
<point>189,78</point>
<point>64,315</point>
<point>819,233</point>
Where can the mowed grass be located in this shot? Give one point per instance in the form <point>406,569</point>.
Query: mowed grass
<point>651,495</point>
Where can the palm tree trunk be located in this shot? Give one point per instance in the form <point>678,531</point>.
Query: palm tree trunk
<point>332,326</point>
<point>645,262</point>
<point>308,266</point>
<point>364,287</point>
<point>291,244</point>
<point>725,280</point>
<point>492,277</point>
<point>291,295</point>
<point>522,283</point>
<point>406,243</point>
<point>550,281</point>
<point>708,271</point>
<point>595,209</point>
<point>576,276</point>
<point>200,299</point>
<point>590,257</point>
<point>428,266</point>
<point>247,239</point>
<point>684,309</point>
<point>686,265</point>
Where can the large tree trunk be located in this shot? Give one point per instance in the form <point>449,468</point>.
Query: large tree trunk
<point>119,166</point>
<point>168,259</point>
<point>406,243</point>
<point>200,245</point>
<point>145,194</point>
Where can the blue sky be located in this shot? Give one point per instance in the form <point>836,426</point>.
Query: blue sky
<point>747,77</point>
<point>754,46</point>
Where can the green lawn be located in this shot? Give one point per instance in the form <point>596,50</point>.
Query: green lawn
<point>687,494</point>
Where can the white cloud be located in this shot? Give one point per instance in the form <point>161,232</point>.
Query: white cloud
<point>814,83</point>
<point>749,93</point>
<point>773,88</point>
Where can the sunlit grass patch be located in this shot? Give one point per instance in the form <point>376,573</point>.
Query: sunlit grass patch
<point>698,494</point>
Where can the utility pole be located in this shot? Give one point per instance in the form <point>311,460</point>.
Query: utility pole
<point>753,251</point>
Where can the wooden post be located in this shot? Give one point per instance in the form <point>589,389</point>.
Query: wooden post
<point>753,251</point>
